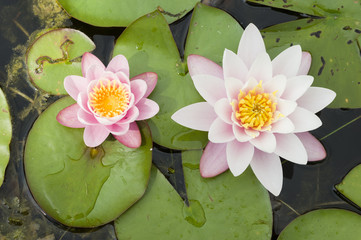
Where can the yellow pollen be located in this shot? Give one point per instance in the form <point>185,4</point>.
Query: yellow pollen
<point>255,109</point>
<point>109,98</point>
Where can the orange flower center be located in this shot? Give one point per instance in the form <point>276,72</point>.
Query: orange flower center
<point>255,109</point>
<point>109,98</point>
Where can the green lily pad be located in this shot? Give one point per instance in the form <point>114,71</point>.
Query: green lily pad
<point>120,13</point>
<point>332,41</point>
<point>330,224</point>
<point>80,186</point>
<point>350,186</point>
<point>55,55</point>
<point>5,135</point>
<point>149,46</point>
<point>224,207</point>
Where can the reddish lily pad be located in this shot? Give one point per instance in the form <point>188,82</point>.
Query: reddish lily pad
<point>350,186</point>
<point>149,46</point>
<point>80,186</point>
<point>55,55</point>
<point>5,135</point>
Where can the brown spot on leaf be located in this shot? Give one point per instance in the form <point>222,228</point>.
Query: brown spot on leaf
<point>316,34</point>
<point>322,67</point>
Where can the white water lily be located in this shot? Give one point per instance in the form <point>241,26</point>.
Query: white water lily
<point>256,110</point>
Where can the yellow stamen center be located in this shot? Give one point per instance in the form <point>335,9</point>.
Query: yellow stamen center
<point>109,98</point>
<point>255,109</point>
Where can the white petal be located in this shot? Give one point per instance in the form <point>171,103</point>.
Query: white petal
<point>252,133</point>
<point>201,65</point>
<point>240,134</point>
<point>291,148</point>
<point>239,155</point>
<point>277,85</point>
<point>283,125</point>
<point>315,150</point>
<point>251,45</point>
<point>211,88</point>
<point>198,116</point>
<point>268,169</point>
<point>233,66</point>
<point>223,109</point>
<point>261,68</point>
<point>304,120</point>
<point>213,160</point>
<point>265,142</point>
<point>233,86</point>
<point>288,62</point>
<point>305,63</point>
<point>316,99</point>
<point>220,132</point>
<point>297,86</point>
<point>285,107</point>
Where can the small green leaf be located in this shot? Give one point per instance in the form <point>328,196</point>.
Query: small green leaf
<point>120,13</point>
<point>149,46</point>
<point>330,224</point>
<point>55,55</point>
<point>350,186</point>
<point>80,186</point>
<point>5,135</point>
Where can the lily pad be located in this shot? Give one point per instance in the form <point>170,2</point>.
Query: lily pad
<point>224,207</point>
<point>330,224</point>
<point>80,186</point>
<point>149,46</point>
<point>332,41</point>
<point>5,135</point>
<point>55,55</point>
<point>350,186</point>
<point>120,13</point>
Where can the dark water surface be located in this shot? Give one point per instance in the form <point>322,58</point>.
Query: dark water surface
<point>305,187</point>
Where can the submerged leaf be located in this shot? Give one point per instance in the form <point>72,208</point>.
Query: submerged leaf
<point>5,135</point>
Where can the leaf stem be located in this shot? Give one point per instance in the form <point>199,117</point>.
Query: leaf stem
<point>338,129</point>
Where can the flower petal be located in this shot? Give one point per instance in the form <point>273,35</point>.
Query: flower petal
<point>316,99</point>
<point>82,101</point>
<point>118,129</point>
<point>138,88</point>
<point>283,125</point>
<point>88,60</point>
<point>261,68</point>
<point>305,63</point>
<point>87,118</point>
<point>198,65</point>
<point>68,117</point>
<point>94,72</point>
<point>252,133</point>
<point>150,78</point>
<point>122,77</point>
<point>291,148</point>
<point>209,87</point>
<point>240,134</point>
<point>74,85</point>
<point>94,135</point>
<point>251,45</point>
<point>297,86</point>
<point>265,142</point>
<point>288,62</point>
<point>239,155</point>
<point>276,85</point>
<point>233,86</point>
<point>220,132</point>
<point>147,109</point>
<point>119,64</point>
<point>131,138</point>
<point>315,150</point>
<point>198,116</point>
<point>213,160</point>
<point>285,107</point>
<point>233,66</point>
<point>304,120</point>
<point>131,116</point>
<point>268,170</point>
<point>224,110</point>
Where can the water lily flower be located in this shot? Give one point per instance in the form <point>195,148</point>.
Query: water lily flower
<point>256,110</point>
<point>108,102</point>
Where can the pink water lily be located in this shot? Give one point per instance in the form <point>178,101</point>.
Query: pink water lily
<point>256,110</point>
<point>108,102</point>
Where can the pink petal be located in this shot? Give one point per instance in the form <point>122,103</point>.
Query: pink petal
<point>214,160</point>
<point>285,107</point>
<point>316,99</point>
<point>131,138</point>
<point>268,169</point>
<point>138,88</point>
<point>261,68</point>
<point>233,87</point>
<point>198,116</point>
<point>198,65</point>
<point>68,117</point>
<point>87,118</point>
<point>118,129</point>
<point>297,86</point>
<point>233,66</point>
<point>74,85</point>
<point>209,87</point>
<point>304,120</point>
<point>265,142</point>
<point>109,121</point>
<point>82,101</point>
<point>315,150</point>
<point>240,134</point>
<point>251,45</point>
<point>150,78</point>
<point>276,85</point>
<point>284,125</point>
<point>122,77</point>
<point>305,63</point>
<point>94,72</point>
<point>239,155</point>
<point>224,110</point>
<point>147,109</point>
<point>291,148</point>
<point>94,135</point>
<point>89,60</point>
<point>131,116</point>
<point>220,132</point>
<point>119,64</point>
<point>288,62</point>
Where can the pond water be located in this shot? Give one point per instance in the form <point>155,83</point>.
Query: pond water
<point>305,187</point>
